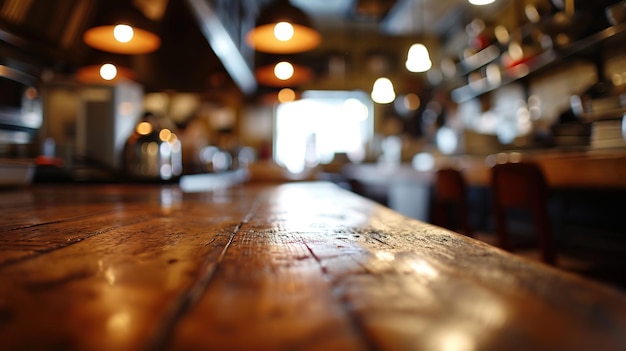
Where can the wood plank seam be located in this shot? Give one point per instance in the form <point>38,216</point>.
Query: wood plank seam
<point>356,322</point>
<point>179,308</point>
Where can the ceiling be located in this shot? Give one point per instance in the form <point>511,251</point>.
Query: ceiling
<point>188,60</point>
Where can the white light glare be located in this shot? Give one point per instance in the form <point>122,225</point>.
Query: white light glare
<point>108,71</point>
<point>283,70</point>
<point>123,33</point>
<point>383,92</point>
<point>418,59</point>
<point>283,31</point>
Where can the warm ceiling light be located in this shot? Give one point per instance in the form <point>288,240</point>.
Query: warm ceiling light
<point>283,74</point>
<point>124,31</point>
<point>104,68</point>
<point>286,95</point>
<point>103,38</point>
<point>283,70</point>
<point>418,59</point>
<point>383,92</point>
<point>281,29</point>
<point>274,96</point>
<point>108,71</point>
<point>481,2</point>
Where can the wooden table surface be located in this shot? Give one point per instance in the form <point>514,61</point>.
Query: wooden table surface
<point>302,266</point>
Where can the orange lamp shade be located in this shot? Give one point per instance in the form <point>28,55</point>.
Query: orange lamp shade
<point>266,75</point>
<point>92,75</point>
<point>263,39</point>
<point>282,28</point>
<point>121,28</point>
<point>102,38</point>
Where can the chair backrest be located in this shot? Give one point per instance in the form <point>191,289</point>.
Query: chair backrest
<point>522,185</point>
<point>519,185</point>
<point>450,185</point>
<point>451,189</point>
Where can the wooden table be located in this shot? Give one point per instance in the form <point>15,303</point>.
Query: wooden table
<point>303,266</point>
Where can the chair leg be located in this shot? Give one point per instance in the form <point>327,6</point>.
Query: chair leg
<point>437,217</point>
<point>501,229</point>
<point>464,215</point>
<point>545,238</point>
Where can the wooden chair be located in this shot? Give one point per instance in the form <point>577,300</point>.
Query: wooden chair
<point>451,194</point>
<point>523,186</point>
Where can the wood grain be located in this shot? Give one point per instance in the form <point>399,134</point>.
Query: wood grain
<point>303,266</point>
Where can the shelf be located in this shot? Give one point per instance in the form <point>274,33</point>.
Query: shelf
<point>479,59</point>
<point>610,114</point>
<point>543,60</point>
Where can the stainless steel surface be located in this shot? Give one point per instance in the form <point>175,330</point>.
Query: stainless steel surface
<point>20,100</point>
<point>153,153</point>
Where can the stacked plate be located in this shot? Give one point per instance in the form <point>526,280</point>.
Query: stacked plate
<point>607,134</point>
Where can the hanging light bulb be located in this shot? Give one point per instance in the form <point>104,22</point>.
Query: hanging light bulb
<point>123,33</point>
<point>108,71</point>
<point>283,31</point>
<point>383,92</point>
<point>283,70</point>
<point>418,59</point>
<point>286,95</point>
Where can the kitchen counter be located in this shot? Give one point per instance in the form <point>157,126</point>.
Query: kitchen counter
<point>596,169</point>
<point>304,266</point>
<point>569,173</point>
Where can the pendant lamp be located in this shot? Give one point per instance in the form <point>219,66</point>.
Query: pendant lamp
<point>106,73</point>
<point>282,28</point>
<point>273,96</point>
<point>123,31</point>
<point>105,68</point>
<point>382,91</point>
<point>283,74</point>
<point>418,59</point>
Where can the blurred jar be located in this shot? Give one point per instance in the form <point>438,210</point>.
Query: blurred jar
<point>153,151</point>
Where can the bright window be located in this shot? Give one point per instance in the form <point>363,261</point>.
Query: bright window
<point>312,130</point>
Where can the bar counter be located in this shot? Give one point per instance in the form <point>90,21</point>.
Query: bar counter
<point>300,266</point>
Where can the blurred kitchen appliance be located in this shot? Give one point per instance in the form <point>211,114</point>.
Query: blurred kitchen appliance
<point>153,151</point>
<point>20,107</point>
<point>109,115</point>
